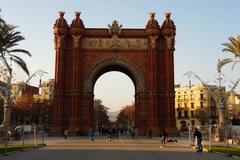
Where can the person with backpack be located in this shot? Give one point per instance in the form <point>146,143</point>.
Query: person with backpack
<point>198,134</point>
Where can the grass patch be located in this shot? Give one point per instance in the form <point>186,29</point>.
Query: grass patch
<point>225,149</point>
<point>12,148</point>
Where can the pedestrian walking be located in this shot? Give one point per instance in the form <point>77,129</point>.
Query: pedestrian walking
<point>150,133</point>
<point>132,132</point>
<point>65,133</point>
<point>163,138</point>
<point>91,133</point>
<point>198,135</point>
<point>109,135</point>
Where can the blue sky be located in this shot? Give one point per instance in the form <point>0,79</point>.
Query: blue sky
<point>202,26</point>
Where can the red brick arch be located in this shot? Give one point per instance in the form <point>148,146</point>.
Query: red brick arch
<point>84,54</point>
<point>115,64</point>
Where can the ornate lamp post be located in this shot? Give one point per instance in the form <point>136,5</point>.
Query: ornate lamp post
<point>8,101</point>
<point>218,97</point>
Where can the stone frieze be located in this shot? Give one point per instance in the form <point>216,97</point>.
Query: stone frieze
<point>114,43</point>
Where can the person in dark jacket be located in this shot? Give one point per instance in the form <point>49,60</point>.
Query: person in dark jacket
<point>198,134</point>
<point>163,138</point>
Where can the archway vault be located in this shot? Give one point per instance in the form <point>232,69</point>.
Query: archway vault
<point>115,64</point>
<point>146,55</point>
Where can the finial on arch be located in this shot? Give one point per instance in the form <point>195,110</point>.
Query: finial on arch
<point>61,23</point>
<point>77,26</point>
<point>168,23</point>
<point>168,14</point>
<point>152,15</point>
<point>77,13</point>
<point>61,14</point>
<point>152,27</point>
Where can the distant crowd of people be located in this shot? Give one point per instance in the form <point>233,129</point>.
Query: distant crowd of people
<point>113,133</point>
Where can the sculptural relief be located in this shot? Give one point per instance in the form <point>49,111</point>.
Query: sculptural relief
<point>76,40</point>
<point>153,41</point>
<point>115,28</point>
<point>115,43</point>
<point>58,40</point>
<point>170,41</point>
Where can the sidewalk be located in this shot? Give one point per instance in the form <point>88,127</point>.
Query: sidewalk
<point>75,148</point>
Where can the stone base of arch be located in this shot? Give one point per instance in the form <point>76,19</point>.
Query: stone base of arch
<point>56,131</point>
<point>172,130</point>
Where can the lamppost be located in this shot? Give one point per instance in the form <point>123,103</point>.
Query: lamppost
<point>8,101</point>
<point>218,97</point>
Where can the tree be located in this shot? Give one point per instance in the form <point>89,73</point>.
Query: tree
<point>1,20</point>
<point>32,112</point>
<point>126,116</point>
<point>9,39</point>
<point>100,117</point>
<point>233,46</point>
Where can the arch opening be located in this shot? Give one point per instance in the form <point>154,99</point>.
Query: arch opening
<point>120,65</point>
<point>114,93</point>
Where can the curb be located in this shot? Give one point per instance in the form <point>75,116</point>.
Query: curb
<point>226,154</point>
<point>22,150</point>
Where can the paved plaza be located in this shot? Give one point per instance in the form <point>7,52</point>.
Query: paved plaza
<point>75,148</point>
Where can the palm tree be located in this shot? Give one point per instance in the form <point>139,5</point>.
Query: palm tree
<point>233,46</point>
<point>1,20</point>
<point>9,38</point>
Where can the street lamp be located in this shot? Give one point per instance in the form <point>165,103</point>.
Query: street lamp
<point>218,98</point>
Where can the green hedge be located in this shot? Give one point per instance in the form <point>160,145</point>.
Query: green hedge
<point>12,148</point>
<point>225,149</point>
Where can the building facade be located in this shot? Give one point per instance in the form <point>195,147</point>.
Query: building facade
<point>195,106</point>
<point>23,93</point>
<point>233,104</point>
<point>46,89</point>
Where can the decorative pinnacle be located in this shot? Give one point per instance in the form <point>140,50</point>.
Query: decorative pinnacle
<point>168,14</point>
<point>61,14</point>
<point>152,15</point>
<point>77,13</point>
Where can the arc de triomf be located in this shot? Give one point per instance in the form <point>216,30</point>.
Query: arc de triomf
<point>84,54</point>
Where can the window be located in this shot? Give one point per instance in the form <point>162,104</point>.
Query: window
<point>179,114</point>
<point>191,97</point>
<point>185,114</point>
<point>201,96</point>
<point>192,105</point>
<point>179,98</point>
<point>192,114</point>
<point>185,105</point>
<point>193,123</point>
<point>179,105</point>
<point>201,104</point>
<point>202,123</point>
